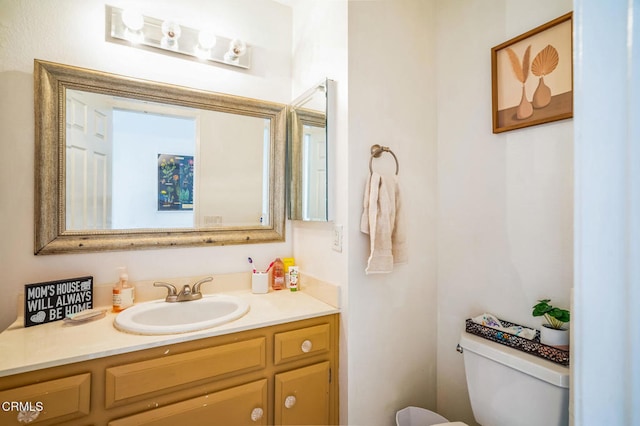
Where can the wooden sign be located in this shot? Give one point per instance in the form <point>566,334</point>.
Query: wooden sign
<point>54,300</point>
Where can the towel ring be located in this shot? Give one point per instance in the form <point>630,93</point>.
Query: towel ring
<point>376,152</point>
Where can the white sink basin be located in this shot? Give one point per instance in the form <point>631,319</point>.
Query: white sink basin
<point>160,317</point>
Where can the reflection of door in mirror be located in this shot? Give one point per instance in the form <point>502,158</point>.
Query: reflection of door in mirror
<point>314,191</point>
<point>88,158</point>
<point>142,165</point>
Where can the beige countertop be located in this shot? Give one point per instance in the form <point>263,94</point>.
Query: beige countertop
<point>53,344</point>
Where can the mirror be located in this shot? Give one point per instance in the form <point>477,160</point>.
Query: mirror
<point>123,163</point>
<point>309,125</point>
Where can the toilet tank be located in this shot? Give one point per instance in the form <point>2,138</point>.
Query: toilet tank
<point>509,387</point>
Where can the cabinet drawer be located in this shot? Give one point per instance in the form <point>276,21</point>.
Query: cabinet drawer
<point>296,344</point>
<point>156,375</point>
<point>241,405</point>
<point>60,400</point>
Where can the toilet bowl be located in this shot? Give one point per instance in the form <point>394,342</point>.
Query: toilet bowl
<point>506,387</point>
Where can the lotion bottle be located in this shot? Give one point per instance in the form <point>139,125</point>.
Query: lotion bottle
<point>293,278</point>
<point>123,292</point>
<point>288,262</point>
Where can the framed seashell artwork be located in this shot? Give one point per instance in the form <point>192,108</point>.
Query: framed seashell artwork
<point>532,76</point>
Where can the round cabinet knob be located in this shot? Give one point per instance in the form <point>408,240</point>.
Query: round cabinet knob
<point>27,416</point>
<point>306,346</point>
<point>290,401</point>
<point>256,414</point>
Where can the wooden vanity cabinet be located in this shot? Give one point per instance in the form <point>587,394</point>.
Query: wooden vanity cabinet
<point>284,374</point>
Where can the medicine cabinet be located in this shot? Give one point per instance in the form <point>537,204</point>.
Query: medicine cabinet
<point>310,128</point>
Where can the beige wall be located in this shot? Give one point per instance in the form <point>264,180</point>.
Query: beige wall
<point>392,317</point>
<point>505,202</point>
<point>319,51</point>
<point>388,97</point>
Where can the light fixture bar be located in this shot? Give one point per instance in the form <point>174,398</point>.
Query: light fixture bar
<point>170,37</point>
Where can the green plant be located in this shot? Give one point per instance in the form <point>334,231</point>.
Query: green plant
<point>556,317</point>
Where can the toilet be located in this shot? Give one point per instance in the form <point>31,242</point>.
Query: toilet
<point>507,387</point>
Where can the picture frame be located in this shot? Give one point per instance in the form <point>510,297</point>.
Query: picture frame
<point>532,76</point>
<point>175,182</point>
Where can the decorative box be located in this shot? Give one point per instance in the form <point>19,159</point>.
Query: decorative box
<point>533,346</point>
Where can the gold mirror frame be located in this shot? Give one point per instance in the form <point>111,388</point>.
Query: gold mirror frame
<point>50,82</point>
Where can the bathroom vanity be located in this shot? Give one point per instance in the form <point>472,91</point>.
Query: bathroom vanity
<point>276,365</point>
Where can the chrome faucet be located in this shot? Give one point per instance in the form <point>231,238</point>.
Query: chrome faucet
<point>187,293</point>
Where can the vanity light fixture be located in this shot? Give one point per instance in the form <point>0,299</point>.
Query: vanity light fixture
<point>131,28</point>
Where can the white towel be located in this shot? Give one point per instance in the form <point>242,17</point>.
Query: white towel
<point>383,219</point>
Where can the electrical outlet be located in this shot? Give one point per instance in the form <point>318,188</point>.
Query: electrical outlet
<point>337,238</point>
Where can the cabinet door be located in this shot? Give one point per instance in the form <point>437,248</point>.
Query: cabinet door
<point>302,396</point>
<point>241,405</point>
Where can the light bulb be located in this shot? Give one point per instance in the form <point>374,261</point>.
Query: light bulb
<point>134,23</point>
<point>237,48</point>
<point>171,32</point>
<point>206,41</point>
<point>133,19</point>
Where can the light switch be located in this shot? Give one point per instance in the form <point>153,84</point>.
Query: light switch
<point>337,238</point>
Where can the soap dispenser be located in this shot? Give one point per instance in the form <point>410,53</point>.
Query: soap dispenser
<point>277,275</point>
<point>123,292</point>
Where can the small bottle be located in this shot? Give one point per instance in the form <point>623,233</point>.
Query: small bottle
<point>123,292</point>
<point>293,278</point>
<point>288,261</point>
<point>277,275</point>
